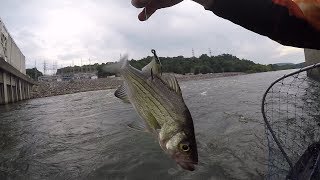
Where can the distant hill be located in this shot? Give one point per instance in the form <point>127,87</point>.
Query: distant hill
<point>194,65</point>
<point>300,65</point>
<point>34,73</point>
<point>283,66</point>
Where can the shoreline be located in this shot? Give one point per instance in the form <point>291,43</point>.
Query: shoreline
<point>48,89</point>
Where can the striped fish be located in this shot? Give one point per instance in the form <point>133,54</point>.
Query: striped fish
<point>157,99</point>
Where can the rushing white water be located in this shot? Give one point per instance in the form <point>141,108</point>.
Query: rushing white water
<point>85,135</point>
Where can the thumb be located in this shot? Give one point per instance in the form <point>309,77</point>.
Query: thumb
<point>146,13</point>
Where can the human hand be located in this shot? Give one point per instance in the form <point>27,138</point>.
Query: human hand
<point>151,6</point>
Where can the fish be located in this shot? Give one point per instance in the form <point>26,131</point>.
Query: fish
<point>157,98</point>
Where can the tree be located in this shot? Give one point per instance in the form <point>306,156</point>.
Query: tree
<point>102,72</point>
<point>34,73</point>
<point>204,64</point>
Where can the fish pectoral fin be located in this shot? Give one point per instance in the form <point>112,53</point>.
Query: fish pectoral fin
<point>153,123</point>
<point>137,126</point>
<point>172,82</point>
<point>122,94</point>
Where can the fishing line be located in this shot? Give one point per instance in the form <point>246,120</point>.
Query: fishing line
<point>152,50</point>
<point>145,13</point>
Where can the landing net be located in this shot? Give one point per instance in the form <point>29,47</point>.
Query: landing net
<point>291,111</point>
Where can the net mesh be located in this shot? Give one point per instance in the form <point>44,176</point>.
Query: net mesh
<point>291,107</point>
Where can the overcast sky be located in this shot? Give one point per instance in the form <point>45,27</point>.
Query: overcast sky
<point>66,31</point>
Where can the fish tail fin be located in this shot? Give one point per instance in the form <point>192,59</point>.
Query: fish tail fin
<point>115,67</point>
<point>124,61</point>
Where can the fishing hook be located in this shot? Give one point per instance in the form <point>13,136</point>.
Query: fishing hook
<point>157,59</point>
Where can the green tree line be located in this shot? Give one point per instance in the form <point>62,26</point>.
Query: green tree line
<point>209,64</point>
<point>34,73</point>
<point>183,65</point>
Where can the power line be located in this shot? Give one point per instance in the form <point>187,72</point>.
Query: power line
<point>44,67</point>
<point>36,70</point>
<point>81,65</point>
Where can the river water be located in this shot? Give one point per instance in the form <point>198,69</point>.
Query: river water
<point>85,135</point>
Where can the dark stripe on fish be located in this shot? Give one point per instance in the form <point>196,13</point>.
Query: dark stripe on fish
<point>148,90</point>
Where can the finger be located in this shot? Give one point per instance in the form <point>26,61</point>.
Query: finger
<point>139,3</point>
<point>146,13</point>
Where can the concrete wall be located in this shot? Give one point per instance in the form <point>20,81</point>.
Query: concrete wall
<point>14,84</point>
<point>10,51</point>
<point>312,57</point>
<point>12,88</point>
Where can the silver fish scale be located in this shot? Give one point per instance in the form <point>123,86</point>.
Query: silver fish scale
<point>159,102</point>
<point>153,96</point>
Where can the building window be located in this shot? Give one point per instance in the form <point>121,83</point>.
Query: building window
<point>3,46</point>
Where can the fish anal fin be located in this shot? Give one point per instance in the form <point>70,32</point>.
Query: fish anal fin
<point>137,126</point>
<point>122,94</point>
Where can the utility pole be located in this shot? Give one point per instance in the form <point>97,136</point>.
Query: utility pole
<point>44,67</point>
<point>193,53</point>
<point>36,73</point>
<point>54,67</point>
<point>210,53</point>
<point>61,68</point>
<point>72,66</point>
<point>81,65</point>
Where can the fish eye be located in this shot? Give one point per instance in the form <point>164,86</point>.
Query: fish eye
<point>184,147</point>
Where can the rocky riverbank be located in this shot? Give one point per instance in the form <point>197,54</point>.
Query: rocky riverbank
<point>46,89</point>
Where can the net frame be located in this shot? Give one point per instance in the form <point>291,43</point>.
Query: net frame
<point>288,113</point>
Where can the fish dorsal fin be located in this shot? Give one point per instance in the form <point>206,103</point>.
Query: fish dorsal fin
<point>172,83</point>
<point>152,66</point>
<point>122,94</point>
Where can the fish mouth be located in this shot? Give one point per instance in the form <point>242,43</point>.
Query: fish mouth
<point>187,165</point>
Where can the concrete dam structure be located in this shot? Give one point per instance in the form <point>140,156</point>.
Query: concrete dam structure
<point>312,56</point>
<point>15,85</point>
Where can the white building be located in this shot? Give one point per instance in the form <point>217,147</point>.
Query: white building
<point>57,78</point>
